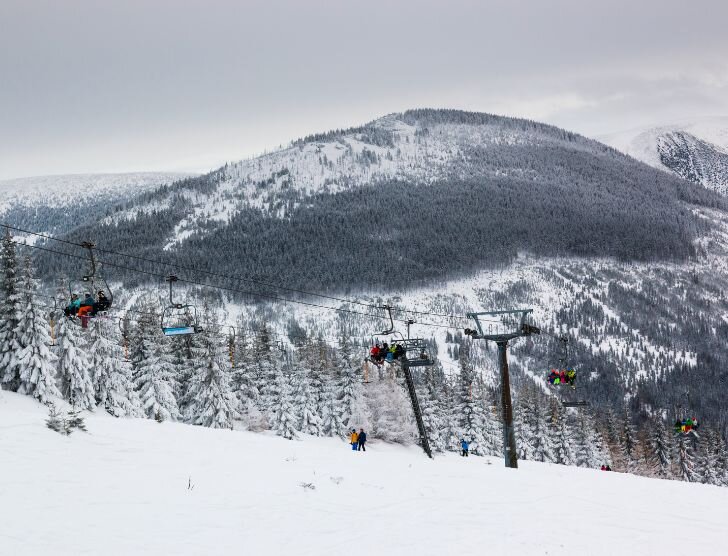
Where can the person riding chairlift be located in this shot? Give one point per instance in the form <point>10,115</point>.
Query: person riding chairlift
<point>73,306</point>
<point>103,302</point>
<point>86,310</point>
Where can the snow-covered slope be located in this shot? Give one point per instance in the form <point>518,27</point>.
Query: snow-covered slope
<point>132,486</point>
<point>70,189</point>
<point>695,150</point>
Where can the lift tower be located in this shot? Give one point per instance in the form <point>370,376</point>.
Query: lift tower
<point>501,327</point>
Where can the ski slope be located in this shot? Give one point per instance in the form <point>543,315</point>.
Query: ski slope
<point>124,488</point>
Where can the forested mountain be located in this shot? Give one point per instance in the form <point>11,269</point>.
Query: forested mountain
<point>407,199</point>
<point>441,212</point>
<point>696,151</point>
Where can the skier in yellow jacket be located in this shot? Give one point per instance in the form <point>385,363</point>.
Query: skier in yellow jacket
<point>354,440</point>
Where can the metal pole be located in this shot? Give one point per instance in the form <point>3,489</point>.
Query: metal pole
<point>509,434</point>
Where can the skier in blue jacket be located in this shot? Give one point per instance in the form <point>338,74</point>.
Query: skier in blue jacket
<point>465,445</point>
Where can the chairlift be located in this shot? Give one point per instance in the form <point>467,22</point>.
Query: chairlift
<point>686,423</point>
<point>178,319</point>
<point>412,351</point>
<point>89,283</point>
<point>564,378</point>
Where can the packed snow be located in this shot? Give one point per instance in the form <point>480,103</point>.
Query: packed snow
<point>134,486</point>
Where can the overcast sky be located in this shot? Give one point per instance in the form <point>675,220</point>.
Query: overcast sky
<point>128,85</point>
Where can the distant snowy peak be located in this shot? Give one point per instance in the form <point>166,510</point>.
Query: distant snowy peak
<point>697,151</point>
<point>69,189</point>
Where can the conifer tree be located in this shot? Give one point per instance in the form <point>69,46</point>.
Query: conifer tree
<point>563,453</point>
<point>432,412</point>
<point>543,449</point>
<point>588,450</point>
<point>525,421</point>
<point>353,407</point>
<point>451,426</point>
<point>305,403</point>
<point>152,367</point>
<point>470,405</point>
<point>36,361</point>
<point>210,401</point>
<point>284,418</point>
<point>244,383</point>
<point>629,441</point>
<point>659,448</point>
<point>266,371</point>
<point>684,458</point>
<point>11,309</point>
<point>391,413</point>
<point>493,432</point>
<point>113,385</point>
<point>707,471</point>
<point>74,366</point>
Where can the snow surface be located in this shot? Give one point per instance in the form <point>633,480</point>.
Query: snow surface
<point>124,488</point>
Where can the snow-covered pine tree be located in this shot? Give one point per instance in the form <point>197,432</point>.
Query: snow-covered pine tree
<point>152,367</point>
<point>113,385</point>
<point>36,361</point>
<point>471,408</point>
<point>11,308</point>
<point>74,420</point>
<point>493,432</point>
<point>244,382</point>
<point>559,426</point>
<point>706,464</point>
<point>56,420</point>
<point>659,448</point>
<point>266,371</point>
<point>354,409</point>
<point>305,403</point>
<point>684,458</point>
<point>432,414</point>
<point>721,463</point>
<point>74,365</point>
<point>543,444</point>
<point>614,440</point>
<point>284,418</point>
<point>629,441</point>
<point>451,415</point>
<point>210,401</point>
<point>588,445</point>
<point>525,422</point>
<point>391,413</point>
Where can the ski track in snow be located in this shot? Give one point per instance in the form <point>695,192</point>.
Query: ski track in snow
<point>122,488</point>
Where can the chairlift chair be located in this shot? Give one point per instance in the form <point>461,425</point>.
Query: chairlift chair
<point>89,283</point>
<point>568,395</point>
<point>178,319</point>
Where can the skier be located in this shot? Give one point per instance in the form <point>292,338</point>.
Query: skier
<point>72,308</point>
<point>374,354</point>
<point>465,446</point>
<point>354,440</point>
<point>103,302</point>
<point>362,440</point>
